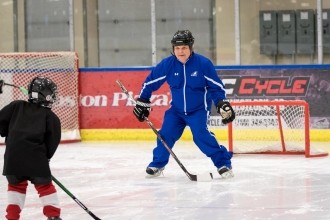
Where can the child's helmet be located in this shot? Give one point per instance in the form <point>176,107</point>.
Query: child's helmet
<point>42,91</point>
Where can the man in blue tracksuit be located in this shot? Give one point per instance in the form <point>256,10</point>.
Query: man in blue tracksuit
<point>194,84</point>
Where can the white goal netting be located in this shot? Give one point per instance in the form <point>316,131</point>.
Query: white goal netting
<point>62,67</point>
<point>271,127</point>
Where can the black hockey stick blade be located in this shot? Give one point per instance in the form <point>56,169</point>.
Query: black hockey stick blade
<point>192,177</point>
<point>74,198</point>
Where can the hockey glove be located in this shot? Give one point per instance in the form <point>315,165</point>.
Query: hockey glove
<point>1,84</point>
<point>142,109</point>
<point>226,111</point>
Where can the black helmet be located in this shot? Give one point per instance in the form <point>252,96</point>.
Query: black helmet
<point>42,91</point>
<point>183,37</point>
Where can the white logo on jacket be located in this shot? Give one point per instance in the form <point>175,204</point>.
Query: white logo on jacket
<point>176,74</point>
<point>194,73</point>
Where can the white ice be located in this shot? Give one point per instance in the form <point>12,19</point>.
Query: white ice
<point>109,179</point>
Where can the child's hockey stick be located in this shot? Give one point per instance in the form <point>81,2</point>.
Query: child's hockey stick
<point>23,90</point>
<point>75,199</point>
<point>192,177</point>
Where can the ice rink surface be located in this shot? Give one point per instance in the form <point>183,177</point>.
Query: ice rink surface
<point>109,179</point>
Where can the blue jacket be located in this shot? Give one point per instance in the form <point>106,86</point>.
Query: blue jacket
<point>194,85</point>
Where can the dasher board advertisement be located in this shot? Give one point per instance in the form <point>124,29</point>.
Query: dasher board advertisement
<point>103,105</point>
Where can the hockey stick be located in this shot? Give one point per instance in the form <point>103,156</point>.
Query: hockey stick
<point>23,90</point>
<point>192,177</point>
<point>75,199</point>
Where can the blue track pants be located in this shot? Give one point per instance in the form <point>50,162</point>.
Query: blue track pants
<point>173,126</point>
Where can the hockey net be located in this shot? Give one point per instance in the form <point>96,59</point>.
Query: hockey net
<point>62,67</point>
<point>277,127</point>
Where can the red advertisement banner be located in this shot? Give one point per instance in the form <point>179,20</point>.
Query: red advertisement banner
<point>104,106</point>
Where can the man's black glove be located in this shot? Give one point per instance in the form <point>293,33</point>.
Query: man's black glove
<point>226,111</point>
<point>142,109</point>
<point>1,84</point>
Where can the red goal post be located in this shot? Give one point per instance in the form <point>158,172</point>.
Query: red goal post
<point>274,127</point>
<point>62,67</point>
